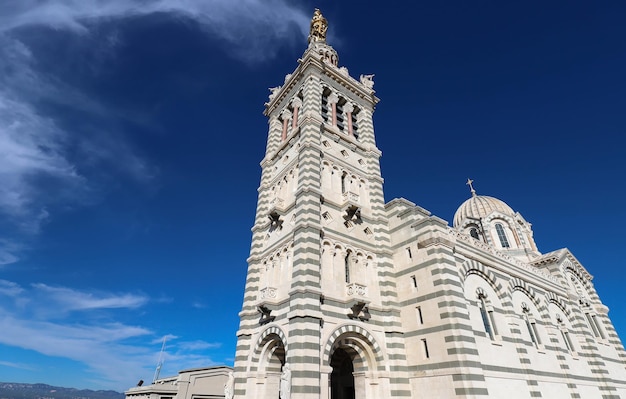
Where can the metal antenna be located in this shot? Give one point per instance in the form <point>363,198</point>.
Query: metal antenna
<point>157,372</point>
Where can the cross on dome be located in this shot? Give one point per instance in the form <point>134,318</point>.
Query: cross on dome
<point>469,183</point>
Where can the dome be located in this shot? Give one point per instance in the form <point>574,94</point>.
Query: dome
<point>479,206</point>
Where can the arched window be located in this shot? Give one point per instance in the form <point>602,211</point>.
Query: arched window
<point>487,316</point>
<point>355,124</point>
<point>531,325</point>
<point>595,326</point>
<point>565,334</point>
<point>326,107</point>
<point>346,263</point>
<point>502,236</point>
<point>340,114</point>
<point>474,233</point>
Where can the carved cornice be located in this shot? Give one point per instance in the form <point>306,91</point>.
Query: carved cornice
<point>559,255</point>
<point>467,239</point>
<point>311,60</point>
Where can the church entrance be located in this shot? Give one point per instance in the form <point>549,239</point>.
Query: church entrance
<point>342,377</point>
<point>270,358</point>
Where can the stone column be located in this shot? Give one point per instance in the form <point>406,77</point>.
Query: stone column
<point>296,104</point>
<point>352,265</point>
<point>332,100</point>
<point>269,269</point>
<point>347,182</point>
<point>325,382</point>
<point>336,180</point>
<point>359,384</point>
<point>348,109</point>
<point>273,140</point>
<point>276,271</point>
<point>366,127</point>
<point>339,270</point>
<point>286,114</point>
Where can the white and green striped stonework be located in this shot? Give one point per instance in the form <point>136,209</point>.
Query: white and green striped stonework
<point>366,299</point>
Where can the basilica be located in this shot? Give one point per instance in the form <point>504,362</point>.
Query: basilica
<point>348,296</point>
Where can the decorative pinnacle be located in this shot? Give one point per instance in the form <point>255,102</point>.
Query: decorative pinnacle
<point>319,26</point>
<point>469,183</point>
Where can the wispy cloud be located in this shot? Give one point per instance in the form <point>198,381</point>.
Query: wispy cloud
<point>104,348</point>
<point>9,288</point>
<point>8,251</point>
<point>252,28</point>
<point>167,338</point>
<point>100,348</point>
<point>36,167</point>
<point>39,169</point>
<point>29,317</point>
<point>198,345</point>
<point>70,299</point>
<point>14,365</point>
<point>31,146</point>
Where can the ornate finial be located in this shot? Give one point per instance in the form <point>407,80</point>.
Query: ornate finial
<point>469,183</point>
<point>319,26</point>
<point>274,92</point>
<point>367,81</point>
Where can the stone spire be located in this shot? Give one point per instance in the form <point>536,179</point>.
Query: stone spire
<point>319,26</point>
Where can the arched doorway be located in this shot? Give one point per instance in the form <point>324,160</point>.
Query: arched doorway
<point>342,376</point>
<point>272,361</point>
<point>268,360</point>
<point>354,360</point>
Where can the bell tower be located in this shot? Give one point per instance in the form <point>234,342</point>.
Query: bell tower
<point>318,318</point>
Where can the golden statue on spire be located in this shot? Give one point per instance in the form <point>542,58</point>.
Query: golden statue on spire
<point>319,26</point>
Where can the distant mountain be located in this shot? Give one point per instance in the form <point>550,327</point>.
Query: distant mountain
<point>15,390</point>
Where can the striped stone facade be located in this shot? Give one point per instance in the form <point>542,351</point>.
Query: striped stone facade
<point>367,299</point>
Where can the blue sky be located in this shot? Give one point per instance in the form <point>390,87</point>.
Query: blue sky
<point>131,133</point>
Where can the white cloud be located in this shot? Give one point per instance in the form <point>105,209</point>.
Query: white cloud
<point>35,167</point>
<point>34,146</point>
<point>31,145</point>
<point>104,348</point>
<point>14,365</point>
<point>8,251</point>
<point>100,348</point>
<point>198,345</point>
<point>69,299</point>
<point>30,320</point>
<point>9,288</point>
<point>167,338</point>
<point>252,28</point>
<point>32,149</point>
